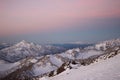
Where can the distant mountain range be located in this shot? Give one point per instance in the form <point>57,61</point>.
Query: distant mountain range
<point>25,49</point>
<point>29,61</point>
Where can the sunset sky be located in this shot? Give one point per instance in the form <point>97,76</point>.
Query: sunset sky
<point>59,21</point>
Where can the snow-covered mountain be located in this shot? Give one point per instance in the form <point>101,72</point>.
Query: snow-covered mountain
<point>102,46</point>
<point>36,66</point>
<point>107,44</point>
<point>103,70</point>
<point>25,49</point>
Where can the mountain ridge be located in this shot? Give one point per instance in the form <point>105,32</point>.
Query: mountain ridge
<point>35,67</point>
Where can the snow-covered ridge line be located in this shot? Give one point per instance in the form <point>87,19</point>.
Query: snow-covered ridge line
<point>25,49</point>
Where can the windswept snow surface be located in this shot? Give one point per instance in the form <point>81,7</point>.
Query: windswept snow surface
<point>7,66</point>
<point>103,70</point>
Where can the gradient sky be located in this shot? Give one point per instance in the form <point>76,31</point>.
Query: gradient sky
<point>59,21</point>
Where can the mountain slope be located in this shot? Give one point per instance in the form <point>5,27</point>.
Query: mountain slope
<point>107,44</point>
<point>103,70</point>
<point>35,66</point>
<point>25,49</point>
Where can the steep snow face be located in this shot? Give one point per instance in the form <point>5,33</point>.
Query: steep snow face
<point>55,60</point>
<point>25,49</point>
<point>39,70</point>
<point>103,70</point>
<point>46,64</point>
<point>6,68</point>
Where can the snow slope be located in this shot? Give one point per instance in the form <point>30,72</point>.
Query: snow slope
<point>47,64</point>
<point>6,68</point>
<point>103,70</point>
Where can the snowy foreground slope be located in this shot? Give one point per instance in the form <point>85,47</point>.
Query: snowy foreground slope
<point>103,70</point>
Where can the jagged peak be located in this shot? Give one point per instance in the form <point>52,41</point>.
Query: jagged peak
<point>23,43</point>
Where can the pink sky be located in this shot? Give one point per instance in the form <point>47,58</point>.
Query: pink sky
<point>28,16</point>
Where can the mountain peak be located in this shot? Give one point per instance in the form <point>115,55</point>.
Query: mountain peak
<point>23,43</point>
